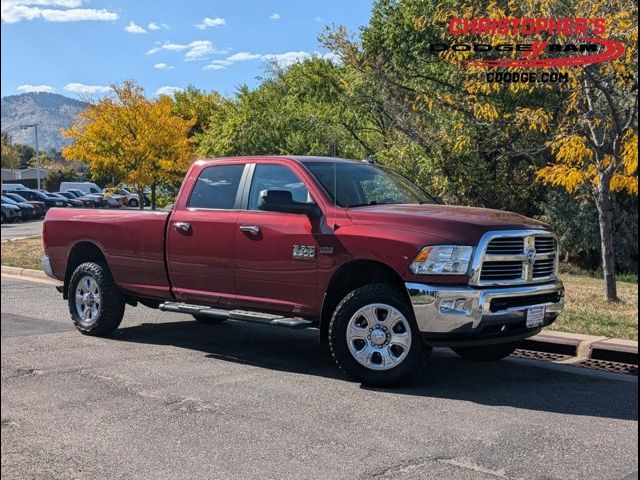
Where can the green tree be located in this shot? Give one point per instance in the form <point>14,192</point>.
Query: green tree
<point>54,178</point>
<point>193,103</point>
<point>294,111</point>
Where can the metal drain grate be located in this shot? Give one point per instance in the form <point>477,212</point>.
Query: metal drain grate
<point>532,354</point>
<point>609,366</point>
<point>592,364</point>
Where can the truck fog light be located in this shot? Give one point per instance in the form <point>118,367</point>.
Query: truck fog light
<point>447,305</point>
<point>461,304</point>
<point>454,305</point>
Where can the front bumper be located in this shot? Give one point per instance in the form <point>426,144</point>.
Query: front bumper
<point>459,316</point>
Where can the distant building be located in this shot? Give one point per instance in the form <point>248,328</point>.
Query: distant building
<point>27,177</point>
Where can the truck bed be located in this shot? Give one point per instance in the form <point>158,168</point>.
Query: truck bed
<point>131,241</point>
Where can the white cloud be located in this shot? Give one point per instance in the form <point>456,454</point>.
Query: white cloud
<point>133,27</point>
<point>168,90</point>
<point>199,49</point>
<point>163,66</point>
<point>86,89</point>
<point>284,59</point>
<point>13,11</point>
<point>35,88</point>
<point>196,50</point>
<point>243,57</point>
<point>274,16</point>
<point>208,22</point>
<point>317,19</point>
<point>157,26</point>
<point>287,58</point>
<point>217,65</point>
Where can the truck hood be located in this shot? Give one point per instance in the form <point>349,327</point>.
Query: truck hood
<point>458,225</point>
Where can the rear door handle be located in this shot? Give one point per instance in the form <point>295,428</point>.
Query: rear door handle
<point>253,229</point>
<point>182,227</point>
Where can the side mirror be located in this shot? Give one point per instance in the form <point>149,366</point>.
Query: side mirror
<point>282,201</point>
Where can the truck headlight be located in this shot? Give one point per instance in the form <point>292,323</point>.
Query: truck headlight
<point>442,260</point>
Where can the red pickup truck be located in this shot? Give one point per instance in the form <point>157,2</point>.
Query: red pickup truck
<point>382,270</point>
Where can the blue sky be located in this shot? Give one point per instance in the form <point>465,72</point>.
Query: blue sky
<point>79,47</point>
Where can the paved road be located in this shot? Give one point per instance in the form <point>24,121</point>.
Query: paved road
<point>11,231</point>
<point>165,397</point>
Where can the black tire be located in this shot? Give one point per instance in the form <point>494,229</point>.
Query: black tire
<point>372,294</point>
<point>110,309</point>
<point>208,320</point>
<point>487,353</point>
<point>133,203</point>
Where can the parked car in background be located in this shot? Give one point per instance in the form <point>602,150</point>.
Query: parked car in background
<point>42,197</point>
<point>86,202</point>
<point>10,213</point>
<point>113,201</point>
<point>113,194</point>
<point>72,202</point>
<point>13,186</point>
<point>28,211</point>
<point>85,187</point>
<point>40,207</point>
<point>132,199</point>
<point>97,199</point>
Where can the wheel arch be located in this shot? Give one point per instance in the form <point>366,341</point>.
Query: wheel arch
<point>352,275</point>
<point>83,251</point>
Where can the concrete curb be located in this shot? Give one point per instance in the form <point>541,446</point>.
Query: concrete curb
<point>28,274</point>
<point>578,347</point>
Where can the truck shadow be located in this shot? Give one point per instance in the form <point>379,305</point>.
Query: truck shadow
<point>504,383</point>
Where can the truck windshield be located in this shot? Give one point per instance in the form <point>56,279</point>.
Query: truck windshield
<point>357,185</point>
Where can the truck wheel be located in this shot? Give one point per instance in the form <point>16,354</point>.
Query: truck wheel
<point>374,338</point>
<point>487,353</point>
<point>208,320</point>
<point>95,304</point>
<point>133,203</point>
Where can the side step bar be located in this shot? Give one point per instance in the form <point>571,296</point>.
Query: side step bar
<point>255,317</point>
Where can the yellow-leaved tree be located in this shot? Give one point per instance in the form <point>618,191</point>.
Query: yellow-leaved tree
<point>595,146</point>
<point>125,135</point>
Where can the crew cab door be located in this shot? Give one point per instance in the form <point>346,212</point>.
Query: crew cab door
<point>201,236</point>
<point>276,253</point>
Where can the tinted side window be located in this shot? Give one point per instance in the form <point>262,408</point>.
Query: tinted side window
<point>216,187</point>
<point>276,177</point>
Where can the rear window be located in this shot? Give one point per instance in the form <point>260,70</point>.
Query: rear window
<point>217,187</point>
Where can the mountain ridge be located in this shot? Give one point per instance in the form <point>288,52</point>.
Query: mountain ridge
<point>51,111</point>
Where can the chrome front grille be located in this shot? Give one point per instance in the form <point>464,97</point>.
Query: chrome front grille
<point>515,257</point>
<point>506,246</point>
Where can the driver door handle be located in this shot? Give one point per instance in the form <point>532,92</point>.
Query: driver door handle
<point>253,229</point>
<point>182,227</point>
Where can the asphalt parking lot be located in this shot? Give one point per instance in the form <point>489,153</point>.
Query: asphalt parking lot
<point>13,231</point>
<point>165,397</point>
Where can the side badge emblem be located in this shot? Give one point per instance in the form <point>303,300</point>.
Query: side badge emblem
<point>304,252</point>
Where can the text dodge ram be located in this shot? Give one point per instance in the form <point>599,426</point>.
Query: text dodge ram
<point>350,248</point>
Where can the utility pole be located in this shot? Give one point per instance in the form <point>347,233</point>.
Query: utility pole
<point>35,127</point>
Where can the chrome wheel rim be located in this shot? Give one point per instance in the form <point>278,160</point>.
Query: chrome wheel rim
<point>379,336</point>
<point>88,299</point>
